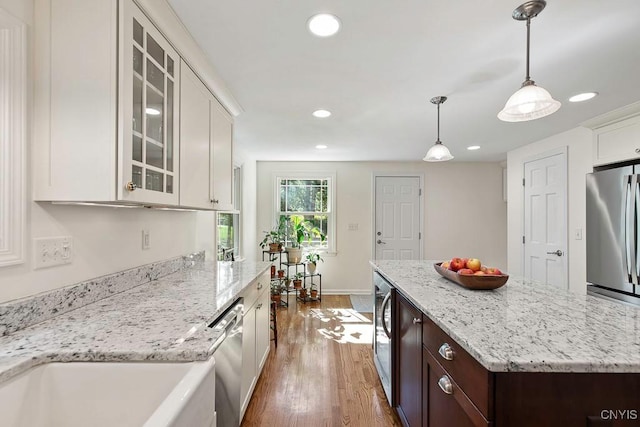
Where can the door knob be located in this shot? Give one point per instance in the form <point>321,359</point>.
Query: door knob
<point>558,253</point>
<point>380,242</point>
<point>379,233</point>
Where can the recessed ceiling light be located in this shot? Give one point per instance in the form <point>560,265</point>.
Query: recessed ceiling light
<point>321,114</point>
<point>323,24</point>
<point>321,146</point>
<point>583,96</point>
<point>152,111</point>
<point>473,147</point>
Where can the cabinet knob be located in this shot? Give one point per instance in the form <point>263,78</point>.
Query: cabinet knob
<point>445,384</point>
<point>417,321</point>
<point>637,150</point>
<point>446,351</point>
<point>259,286</point>
<point>259,306</point>
<point>131,186</point>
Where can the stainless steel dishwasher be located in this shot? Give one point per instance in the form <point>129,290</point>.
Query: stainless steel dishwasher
<point>228,358</point>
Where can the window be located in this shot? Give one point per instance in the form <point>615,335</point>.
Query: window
<point>312,198</point>
<point>229,223</point>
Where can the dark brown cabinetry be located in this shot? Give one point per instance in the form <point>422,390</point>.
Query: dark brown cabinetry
<point>409,357</point>
<point>441,384</point>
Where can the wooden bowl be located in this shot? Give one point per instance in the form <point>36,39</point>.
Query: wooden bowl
<point>472,282</point>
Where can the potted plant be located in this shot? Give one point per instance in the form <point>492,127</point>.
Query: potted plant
<point>274,238</point>
<point>280,274</point>
<point>303,293</point>
<point>301,230</point>
<point>287,282</point>
<point>312,261</point>
<point>276,292</point>
<point>297,280</point>
<point>314,291</point>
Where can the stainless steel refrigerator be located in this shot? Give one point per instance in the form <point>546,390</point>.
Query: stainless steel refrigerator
<point>613,232</point>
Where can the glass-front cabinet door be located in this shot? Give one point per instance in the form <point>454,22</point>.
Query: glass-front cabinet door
<point>148,125</point>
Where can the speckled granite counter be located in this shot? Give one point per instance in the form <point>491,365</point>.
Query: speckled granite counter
<point>163,320</point>
<point>524,326</point>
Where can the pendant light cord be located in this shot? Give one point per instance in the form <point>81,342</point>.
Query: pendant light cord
<point>438,141</point>
<point>528,37</point>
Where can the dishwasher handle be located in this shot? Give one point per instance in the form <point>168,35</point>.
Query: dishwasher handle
<point>225,324</point>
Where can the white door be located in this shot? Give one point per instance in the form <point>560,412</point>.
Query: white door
<point>397,217</point>
<point>545,219</point>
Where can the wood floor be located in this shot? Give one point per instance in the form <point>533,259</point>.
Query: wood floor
<point>322,373</point>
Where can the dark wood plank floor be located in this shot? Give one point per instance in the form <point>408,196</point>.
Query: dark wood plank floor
<point>322,373</point>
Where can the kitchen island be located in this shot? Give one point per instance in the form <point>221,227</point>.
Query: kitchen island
<point>524,354</point>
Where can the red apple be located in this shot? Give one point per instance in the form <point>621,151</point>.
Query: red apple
<point>445,264</point>
<point>479,273</point>
<point>494,271</point>
<point>467,271</point>
<point>474,264</point>
<point>456,264</point>
<point>483,268</point>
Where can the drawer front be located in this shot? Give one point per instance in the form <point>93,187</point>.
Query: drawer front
<point>447,404</point>
<point>255,289</point>
<point>474,379</point>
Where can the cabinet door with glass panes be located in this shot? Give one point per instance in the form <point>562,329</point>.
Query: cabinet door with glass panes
<point>148,152</point>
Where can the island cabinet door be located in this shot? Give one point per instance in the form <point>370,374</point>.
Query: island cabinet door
<point>444,402</point>
<point>408,363</point>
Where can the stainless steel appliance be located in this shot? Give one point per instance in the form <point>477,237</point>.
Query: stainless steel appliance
<point>613,233</point>
<point>382,314</point>
<point>228,358</point>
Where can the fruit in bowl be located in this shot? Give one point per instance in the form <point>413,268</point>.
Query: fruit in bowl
<point>466,271</point>
<point>456,264</point>
<point>470,266</point>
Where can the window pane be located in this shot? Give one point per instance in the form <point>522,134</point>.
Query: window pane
<point>228,236</point>
<point>169,125</point>
<point>154,181</point>
<point>137,32</point>
<point>155,50</point>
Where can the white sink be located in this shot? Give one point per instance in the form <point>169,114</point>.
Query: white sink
<point>110,394</point>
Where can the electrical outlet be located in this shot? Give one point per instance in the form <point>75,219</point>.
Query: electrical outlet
<point>52,251</point>
<point>146,243</point>
<point>353,227</point>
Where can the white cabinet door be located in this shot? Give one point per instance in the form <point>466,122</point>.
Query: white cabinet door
<point>263,331</point>
<point>222,140</point>
<point>149,99</point>
<point>248,357</point>
<point>195,107</point>
<point>617,142</point>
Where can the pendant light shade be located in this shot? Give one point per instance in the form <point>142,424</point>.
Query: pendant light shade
<point>530,102</point>
<point>438,153</point>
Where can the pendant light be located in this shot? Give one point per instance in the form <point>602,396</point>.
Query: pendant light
<point>438,153</point>
<point>530,102</point>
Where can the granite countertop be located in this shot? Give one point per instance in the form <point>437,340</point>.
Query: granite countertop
<point>163,320</point>
<point>524,326</point>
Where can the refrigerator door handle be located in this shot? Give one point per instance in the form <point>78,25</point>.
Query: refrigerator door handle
<point>628,225</point>
<point>632,201</point>
<point>636,230</point>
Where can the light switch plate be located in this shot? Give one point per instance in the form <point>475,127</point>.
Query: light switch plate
<point>146,243</point>
<point>52,251</point>
<point>577,234</point>
<point>353,227</point>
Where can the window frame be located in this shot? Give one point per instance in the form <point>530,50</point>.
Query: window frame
<point>237,210</point>
<point>330,176</point>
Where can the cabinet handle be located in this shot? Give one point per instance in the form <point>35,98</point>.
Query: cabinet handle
<point>637,150</point>
<point>131,186</point>
<point>259,306</point>
<point>446,351</point>
<point>417,321</point>
<point>214,201</point>
<point>445,384</point>
<point>259,286</point>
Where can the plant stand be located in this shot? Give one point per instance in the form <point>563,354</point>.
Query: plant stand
<point>314,279</point>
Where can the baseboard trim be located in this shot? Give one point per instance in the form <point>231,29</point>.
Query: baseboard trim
<point>345,292</point>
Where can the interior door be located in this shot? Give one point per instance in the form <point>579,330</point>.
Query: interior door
<point>397,217</point>
<point>545,219</point>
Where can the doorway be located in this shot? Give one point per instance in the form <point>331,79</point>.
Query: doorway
<point>545,218</point>
<point>397,232</point>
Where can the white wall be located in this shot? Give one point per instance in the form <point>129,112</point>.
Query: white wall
<point>106,240</point>
<point>579,156</point>
<point>464,214</point>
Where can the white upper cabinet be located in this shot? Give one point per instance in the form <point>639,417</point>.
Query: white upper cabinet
<point>205,147</point>
<point>107,109</point>
<point>617,142</point>
<point>222,162</point>
<point>149,85</point>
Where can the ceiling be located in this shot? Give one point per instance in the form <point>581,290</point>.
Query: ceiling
<point>390,58</point>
